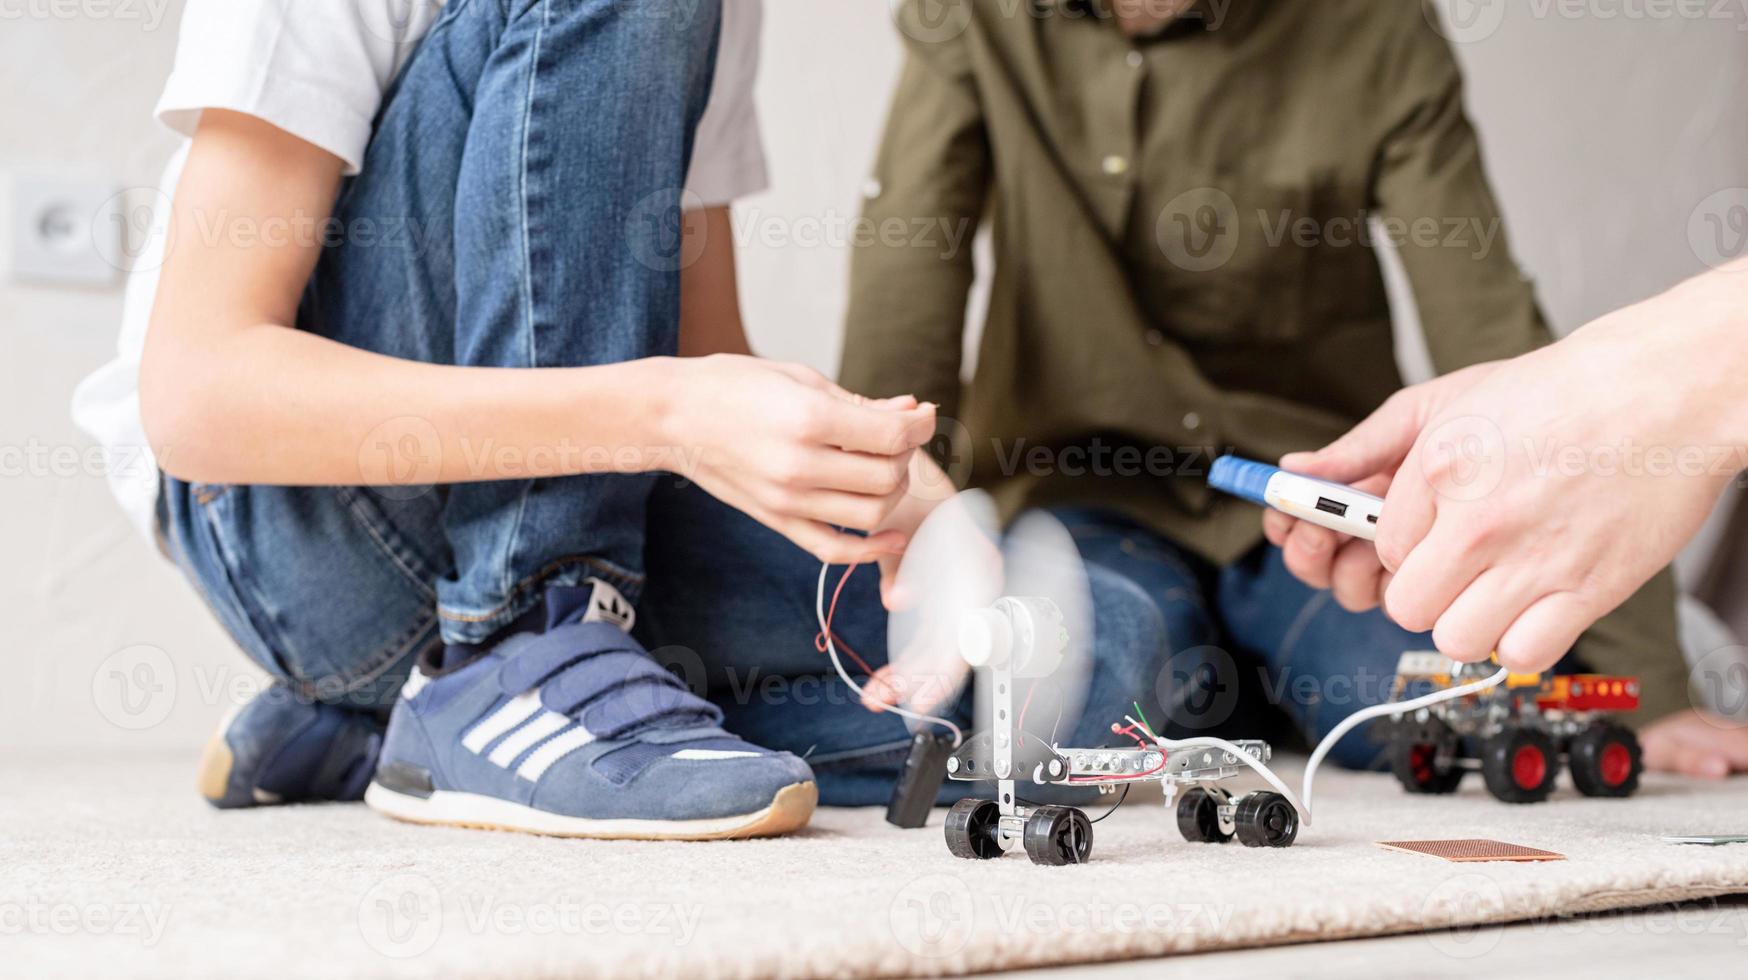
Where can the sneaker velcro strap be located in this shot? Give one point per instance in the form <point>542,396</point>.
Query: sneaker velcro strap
<point>590,678</point>
<point>532,659</point>
<point>644,703</point>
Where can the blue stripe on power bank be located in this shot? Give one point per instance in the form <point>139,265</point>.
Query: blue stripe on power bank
<point>1242,478</point>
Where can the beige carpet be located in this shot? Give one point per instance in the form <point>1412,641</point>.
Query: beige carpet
<point>113,867</point>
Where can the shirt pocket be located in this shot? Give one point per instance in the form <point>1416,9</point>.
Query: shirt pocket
<point>1237,256</point>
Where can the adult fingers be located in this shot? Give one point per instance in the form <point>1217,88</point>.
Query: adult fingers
<point>1667,754</point>
<point>1355,576</point>
<point>1543,633</point>
<point>1434,574</point>
<point>1309,553</point>
<point>1410,507</point>
<point>1470,629</point>
<point>1378,443</point>
<point>1276,526</point>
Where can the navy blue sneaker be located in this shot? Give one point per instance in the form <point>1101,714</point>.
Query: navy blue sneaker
<point>279,748</point>
<point>577,732</point>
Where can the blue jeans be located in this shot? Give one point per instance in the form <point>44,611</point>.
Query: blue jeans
<point>1252,650</point>
<point>535,152</point>
<point>518,206</point>
<point>532,153</point>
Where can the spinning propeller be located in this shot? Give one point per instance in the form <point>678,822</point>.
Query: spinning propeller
<point>1014,611</point>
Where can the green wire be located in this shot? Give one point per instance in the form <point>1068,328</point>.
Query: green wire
<point>1139,714</point>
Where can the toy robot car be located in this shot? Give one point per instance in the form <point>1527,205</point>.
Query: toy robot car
<point>1517,734</point>
<point>1057,835</point>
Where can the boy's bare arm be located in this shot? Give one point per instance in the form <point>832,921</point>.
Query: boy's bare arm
<point>231,392</point>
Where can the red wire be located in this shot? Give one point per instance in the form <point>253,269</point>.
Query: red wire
<point>838,641</point>
<point>1129,731</point>
<point>1021,724</point>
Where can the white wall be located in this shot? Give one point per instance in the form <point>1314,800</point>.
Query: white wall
<point>1604,135</point>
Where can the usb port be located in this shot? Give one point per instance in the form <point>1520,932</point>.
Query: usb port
<point>1331,507</point>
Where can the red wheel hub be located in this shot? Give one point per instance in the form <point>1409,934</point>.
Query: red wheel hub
<point>1616,764</point>
<point>1420,762</point>
<point>1529,766</point>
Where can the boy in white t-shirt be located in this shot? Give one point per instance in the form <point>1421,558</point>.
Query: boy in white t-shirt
<point>404,347</point>
<point>406,357</point>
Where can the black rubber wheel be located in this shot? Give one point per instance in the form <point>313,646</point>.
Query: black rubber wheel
<point>1198,818</point>
<point>1057,835</point>
<point>1266,820</point>
<point>971,829</point>
<point>1519,765</point>
<point>1415,754</point>
<point>1605,761</point>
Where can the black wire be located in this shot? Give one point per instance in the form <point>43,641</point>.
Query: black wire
<point>1096,819</point>
<point>1115,805</point>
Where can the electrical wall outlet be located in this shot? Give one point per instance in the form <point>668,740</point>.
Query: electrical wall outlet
<point>65,232</point>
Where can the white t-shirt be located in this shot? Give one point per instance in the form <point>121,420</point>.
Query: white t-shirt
<point>318,70</point>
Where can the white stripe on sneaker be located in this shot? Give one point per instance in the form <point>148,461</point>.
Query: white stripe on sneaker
<point>522,738</point>
<point>541,759</point>
<point>697,755</point>
<point>514,712</point>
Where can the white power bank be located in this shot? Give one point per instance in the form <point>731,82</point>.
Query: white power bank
<point>1331,505</point>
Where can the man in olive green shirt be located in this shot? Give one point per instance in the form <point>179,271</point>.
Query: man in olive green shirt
<point>1183,197</point>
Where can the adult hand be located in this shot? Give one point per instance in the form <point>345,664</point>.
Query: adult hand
<point>1537,494</point>
<point>1694,743</point>
<point>1366,458</point>
<point>796,452</point>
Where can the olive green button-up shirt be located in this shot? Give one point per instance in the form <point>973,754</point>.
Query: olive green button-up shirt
<point>1183,229</point>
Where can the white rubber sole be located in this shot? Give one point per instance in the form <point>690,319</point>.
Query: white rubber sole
<point>789,810</point>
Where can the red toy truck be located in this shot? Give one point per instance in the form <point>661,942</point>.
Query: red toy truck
<point>1518,734</point>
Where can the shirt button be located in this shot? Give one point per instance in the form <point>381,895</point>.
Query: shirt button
<point>1115,165</point>
<point>1135,59</point>
<point>871,189</point>
<point>1155,338</point>
<point>1192,421</point>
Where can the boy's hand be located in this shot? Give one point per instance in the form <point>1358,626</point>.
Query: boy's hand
<point>1694,743</point>
<point>798,453</point>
